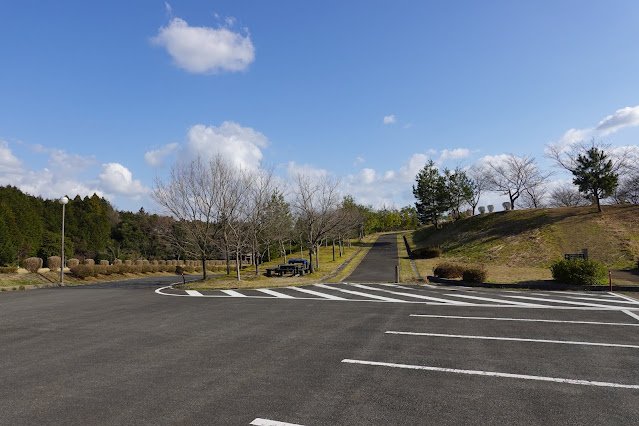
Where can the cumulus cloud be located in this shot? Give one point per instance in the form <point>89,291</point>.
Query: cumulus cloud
<point>454,154</point>
<point>117,179</point>
<point>292,169</point>
<point>205,50</point>
<point>358,160</point>
<point>240,145</point>
<point>8,162</point>
<point>156,158</point>
<point>366,176</point>
<point>389,119</point>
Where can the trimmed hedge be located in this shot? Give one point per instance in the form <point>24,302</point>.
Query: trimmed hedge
<point>448,270</point>
<point>89,262</point>
<point>72,262</point>
<point>579,271</point>
<point>53,263</point>
<point>32,264</point>
<point>83,271</point>
<point>426,252</point>
<point>475,274</point>
<point>8,270</point>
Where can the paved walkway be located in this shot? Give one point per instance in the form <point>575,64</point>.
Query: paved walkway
<point>378,266</point>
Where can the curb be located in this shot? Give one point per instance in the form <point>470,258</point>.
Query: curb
<point>535,286</point>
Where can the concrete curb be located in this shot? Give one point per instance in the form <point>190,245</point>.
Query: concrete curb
<point>535,286</point>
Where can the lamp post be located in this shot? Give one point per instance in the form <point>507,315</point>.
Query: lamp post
<point>63,201</point>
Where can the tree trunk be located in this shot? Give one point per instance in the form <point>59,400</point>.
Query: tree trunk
<point>310,260</point>
<point>203,266</point>
<point>333,249</point>
<point>257,263</point>
<point>317,255</point>
<point>237,263</point>
<point>228,261</point>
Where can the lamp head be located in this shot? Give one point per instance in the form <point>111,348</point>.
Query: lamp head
<point>63,200</point>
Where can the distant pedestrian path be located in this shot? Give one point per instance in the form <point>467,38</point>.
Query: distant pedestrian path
<point>378,266</point>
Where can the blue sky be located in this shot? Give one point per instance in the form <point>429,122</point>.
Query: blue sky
<point>105,96</point>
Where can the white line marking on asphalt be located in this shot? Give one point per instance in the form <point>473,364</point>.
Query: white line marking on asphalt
<point>487,299</point>
<point>317,293</point>
<point>630,299</point>
<point>562,301</point>
<point>233,293</point>
<point>194,293</point>
<point>526,320</point>
<point>275,293</point>
<point>493,374</point>
<point>359,293</point>
<point>635,316</point>
<point>513,339</point>
<point>416,296</point>
<point>395,286</point>
<point>267,422</point>
<point>428,285</point>
<point>590,299</point>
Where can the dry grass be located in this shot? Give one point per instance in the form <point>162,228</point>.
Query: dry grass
<point>406,273</point>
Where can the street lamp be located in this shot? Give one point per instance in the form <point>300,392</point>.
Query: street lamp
<point>63,201</point>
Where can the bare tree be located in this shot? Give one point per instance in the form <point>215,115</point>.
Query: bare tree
<point>316,204</point>
<point>514,176</point>
<point>535,197</point>
<point>567,196</point>
<point>478,174</point>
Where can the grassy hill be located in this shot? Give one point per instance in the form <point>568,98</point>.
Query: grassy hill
<point>537,237</point>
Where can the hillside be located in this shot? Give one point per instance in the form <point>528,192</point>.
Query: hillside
<point>537,237</point>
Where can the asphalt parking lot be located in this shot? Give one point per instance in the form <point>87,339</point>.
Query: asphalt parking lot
<point>132,356</point>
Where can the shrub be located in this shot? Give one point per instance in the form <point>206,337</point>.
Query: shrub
<point>189,269</point>
<point>8,270</point>
<point>179,270</point>
<point>117,262</point>
<point>100,269</point>
<point>154,263</point>
<point>32,264</point>
<point>579,271</point>
<point>491,208</point>
<point>128,262</point>
<point>104,262</point>
<point>145,262</point>
<point>448,270</point>
<point>506,205</point>
<point>73,262</point>
<point>426,252</point>
<point>53,263</point>
<point>138,263</point>
<point>83,271</point>
<point>474,274</point>
<point>89,262</point>
<point>482,209</point>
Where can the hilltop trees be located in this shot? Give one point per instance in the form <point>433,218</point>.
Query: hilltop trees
<point>515,176</point>
<point>594,175</point>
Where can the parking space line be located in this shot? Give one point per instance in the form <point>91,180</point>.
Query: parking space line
<point>493,374</point>
<point>316,293</point>
<point>530,319</point>
<point>233,293</point>
<point>416,296</point>
<point>590,299</point>
<point>630,299</point>
<point>275,293</point>
<point>635,316</point>
<point>193,293</point>
<point>514,339</point>
<point>359,293</point>
<point>487,299</point>
<point>567,302</point>
<point>267,422</point>
<point>395,286</point>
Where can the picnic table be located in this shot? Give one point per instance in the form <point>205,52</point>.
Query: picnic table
<point>293,267</point>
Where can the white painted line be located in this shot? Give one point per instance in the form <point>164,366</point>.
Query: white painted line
<point>359,293</point>
<point>428,285</point>
<point>630,299</point>
<point>416,296</point>
<point>316,293</point>
<point>233,293</point>
<point>590,299</point>
<point>395,286</point>
<point>266,422</point>
<point>487,299</point>
<point>567,302</point>
<point>635,316</point>
<point>526,320</point>
<point>514,339</point>
<point>275,293</point>
<point>193,293</point>
<point>494,374</point>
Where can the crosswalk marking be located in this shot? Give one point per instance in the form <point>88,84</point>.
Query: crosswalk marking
<point>275,293</point>
<point>635,316</point>
<point>359,293</point>
<point>630,299</point>
<point>193,293</point>
<point>395,286</point>
<point>233,293</point>
<point>416,296</point>
<point>316,293</point>
<point>488,299</point>
<point>567,302</point>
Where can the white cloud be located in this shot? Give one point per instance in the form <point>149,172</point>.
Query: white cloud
<point>409,170</point>
<point>389,119</point>
<point>625,117</point>
<point>240,145</point>
<point>8,162</point>
<point>205,50</point>
<point>358,160</point>
<point>156,158</point>
<point>292,169</point>
<point>117,179</point>
<point>366,176</point>
<point>454,154</point>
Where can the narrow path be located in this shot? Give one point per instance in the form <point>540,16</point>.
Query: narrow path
<point>379,263</point>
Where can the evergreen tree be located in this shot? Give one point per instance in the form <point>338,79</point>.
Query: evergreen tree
<point>432,195</point>
<point>594,175</point>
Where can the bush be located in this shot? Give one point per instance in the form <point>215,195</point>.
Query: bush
<point>476,274</point>
<point>89,262</point>
<point>83,271</point>
<point>579,271</point>
<point>128,262</point>
<point>426,252</point>
<point>104,262</point>
<point>32,264</point>
<point>53,263</point>
<point>8,270</point>
<point>72,262</point>
<point>448,270</point>
<point>491,208</point>
<point>179,270</point>
<point>117,262</point>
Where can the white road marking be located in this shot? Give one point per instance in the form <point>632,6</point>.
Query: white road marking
<point>527,320</point>
<point>590,299</point>
<point>317,293</point>
<point>416,296</point>
<point>487,299</point>
<point>193,293</point>
<point>635,316</point>
<point>359,293</point>
<point>630,299</point>
<point>514,339</point>
<point>563,301</point>
<point>395,285</point>
<point>275,293</point>
<point>267,422</point>
<point>493,374</point>
<point>233,293</point>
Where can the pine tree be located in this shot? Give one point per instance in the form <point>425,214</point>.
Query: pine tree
<point>594,175</point>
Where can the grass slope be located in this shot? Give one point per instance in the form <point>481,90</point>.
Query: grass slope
<point>537,237</point>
